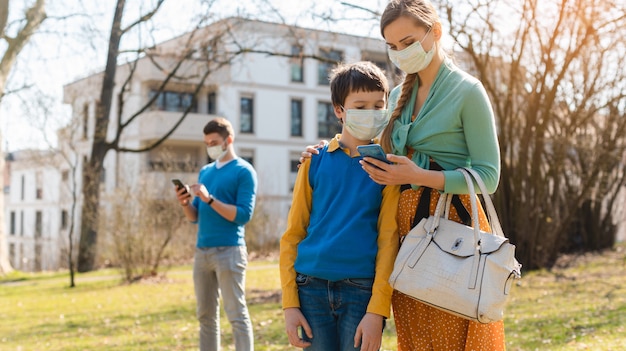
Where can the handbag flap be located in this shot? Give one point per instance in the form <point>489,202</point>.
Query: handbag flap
<point>458,239</point>
<point>490,243</point>
<point>454,238</point>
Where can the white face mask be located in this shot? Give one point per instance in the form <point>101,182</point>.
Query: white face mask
<point>215,152</point>
<point>365,124</point>
<point>413,58</point>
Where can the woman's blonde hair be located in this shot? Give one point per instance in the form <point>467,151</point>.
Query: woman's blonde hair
<point>424,14</point>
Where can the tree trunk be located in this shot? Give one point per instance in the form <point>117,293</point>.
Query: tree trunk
<point>93,169</point>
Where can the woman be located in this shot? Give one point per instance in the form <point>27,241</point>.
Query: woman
<point>441,119</point>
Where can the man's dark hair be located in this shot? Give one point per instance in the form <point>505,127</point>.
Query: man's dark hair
<point>220,126</point>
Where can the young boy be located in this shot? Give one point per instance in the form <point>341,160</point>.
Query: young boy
<point>341,239</point>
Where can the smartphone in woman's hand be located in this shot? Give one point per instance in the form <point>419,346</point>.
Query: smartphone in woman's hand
<point>373,150</point>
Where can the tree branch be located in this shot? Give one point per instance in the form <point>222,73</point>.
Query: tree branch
<point>144,18</point>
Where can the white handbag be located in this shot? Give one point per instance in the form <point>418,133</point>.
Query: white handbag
<point>457,268</point>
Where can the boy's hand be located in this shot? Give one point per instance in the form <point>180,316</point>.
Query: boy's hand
<point>369,333</point>
<point>294,319</point>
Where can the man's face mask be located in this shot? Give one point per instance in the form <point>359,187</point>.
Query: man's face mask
<point>216,152</point>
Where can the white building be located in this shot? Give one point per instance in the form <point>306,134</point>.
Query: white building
<point>277,106</point>
<point>35,220</point>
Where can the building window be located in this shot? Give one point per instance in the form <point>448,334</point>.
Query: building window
<point>246,114</point>
<point>65,176</point>
<point>294,161</point>
<point>38,257</point>
<point>297,64</point>
<point>64,219</point>
<point>382,61</point>
<point>12,225</point>
<point>22,260</point>
<point>296,117</point>
<point>85,120</point>
<point>212,103</point>
<point>172,101</point>
<point>38,224</point>
<point>324,68</point>
<point>327,123</point>
<point>21,223</point>
<point>22,185</point>
<point>175,159</point>
<point>12,257</point>
<point>39,187</point>
<point>391,71</point>
<point>247,154</point>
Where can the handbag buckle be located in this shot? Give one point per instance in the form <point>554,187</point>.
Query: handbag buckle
<point>457,244</point>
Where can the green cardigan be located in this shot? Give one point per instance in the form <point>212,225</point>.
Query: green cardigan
<point>455,127</point>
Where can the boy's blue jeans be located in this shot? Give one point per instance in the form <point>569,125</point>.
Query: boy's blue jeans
<point>333,310</point>
<point>222,269</point>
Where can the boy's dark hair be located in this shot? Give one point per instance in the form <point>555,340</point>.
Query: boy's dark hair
<point>220,126</point>
<point>355,77</point>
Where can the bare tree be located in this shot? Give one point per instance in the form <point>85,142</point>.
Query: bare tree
<point>92,171</point>
<point>100,146</point>
<point>66,161</point>
<point>14,43</point>
<point>204,52</point>
<point>69,155</point>
<point>553,72</point>
<point>145,231</point>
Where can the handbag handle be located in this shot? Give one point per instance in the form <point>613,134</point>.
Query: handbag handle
<point>443,205</point>
<point>443,202</point>
<point>494,222</point>
<point>473,205</point>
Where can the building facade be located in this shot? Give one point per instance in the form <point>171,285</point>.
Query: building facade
<point>36,222</point>
<point>275,92</point>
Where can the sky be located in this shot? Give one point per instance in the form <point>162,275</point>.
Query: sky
<point>72,43</point>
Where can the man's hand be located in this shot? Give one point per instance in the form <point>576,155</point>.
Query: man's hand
<point>369,333</point>
<point>294,319</point>
<point>183,195</point>
<point>200,191</point>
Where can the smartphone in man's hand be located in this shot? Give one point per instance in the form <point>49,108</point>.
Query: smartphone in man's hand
<point>179,184</point>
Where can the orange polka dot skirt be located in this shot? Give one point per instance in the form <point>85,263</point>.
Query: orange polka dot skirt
<point>421,327</point>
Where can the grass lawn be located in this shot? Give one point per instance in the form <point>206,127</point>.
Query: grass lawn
<point>579,306</point>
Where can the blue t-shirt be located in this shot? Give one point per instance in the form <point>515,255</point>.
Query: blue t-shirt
<point>235,184</point>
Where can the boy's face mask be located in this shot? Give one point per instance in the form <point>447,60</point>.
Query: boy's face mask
<point>365,124</point>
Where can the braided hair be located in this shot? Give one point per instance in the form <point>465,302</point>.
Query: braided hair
<point>407,86</point>
<point>424,15</point>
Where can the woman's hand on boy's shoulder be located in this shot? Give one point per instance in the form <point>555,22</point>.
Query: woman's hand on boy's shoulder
<point>312,150</point>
